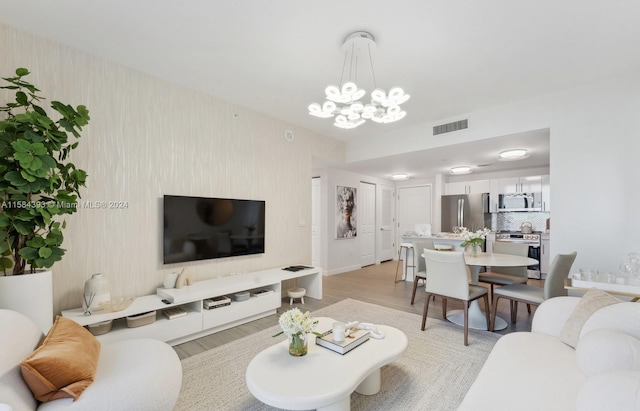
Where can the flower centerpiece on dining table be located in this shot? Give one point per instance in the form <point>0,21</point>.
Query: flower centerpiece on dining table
<point>473,239</point>
<point>297,326</point>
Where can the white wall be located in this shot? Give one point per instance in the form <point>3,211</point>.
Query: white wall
<point>339,255</point>
<point>147,138</point>
<point>594,169</point>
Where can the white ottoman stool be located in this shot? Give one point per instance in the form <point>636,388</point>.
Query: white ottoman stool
<point>296,293</point>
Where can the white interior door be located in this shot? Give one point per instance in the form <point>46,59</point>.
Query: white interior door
<point>386,217</point>
<point>315,222</point>
<point>367,217</point>
<point>414,207</point>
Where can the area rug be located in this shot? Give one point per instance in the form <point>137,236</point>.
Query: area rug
<point>433,374</point>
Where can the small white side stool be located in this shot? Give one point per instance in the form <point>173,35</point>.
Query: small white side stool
<point>296,293</point>
<point>406,247</point>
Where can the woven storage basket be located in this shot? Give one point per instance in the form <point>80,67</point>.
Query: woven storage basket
<point>139,320</point>
<point>100,328</point>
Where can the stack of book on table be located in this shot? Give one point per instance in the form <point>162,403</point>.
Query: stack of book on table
<point>356,338</point>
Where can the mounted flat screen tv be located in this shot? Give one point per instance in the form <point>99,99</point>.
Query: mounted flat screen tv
<point>200,228</point>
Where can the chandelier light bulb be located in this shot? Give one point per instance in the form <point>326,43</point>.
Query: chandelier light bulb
<point>343,102</point>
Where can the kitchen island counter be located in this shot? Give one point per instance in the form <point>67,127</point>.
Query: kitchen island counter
<point>449,239</point>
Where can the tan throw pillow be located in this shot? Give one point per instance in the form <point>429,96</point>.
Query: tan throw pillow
<point>593,300</point>
<point>64,365</point>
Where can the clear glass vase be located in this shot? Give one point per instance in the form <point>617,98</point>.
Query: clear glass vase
<point>473,249</point>
<point>298,345</point>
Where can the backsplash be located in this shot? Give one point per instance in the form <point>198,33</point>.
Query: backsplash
<point>513,220</point>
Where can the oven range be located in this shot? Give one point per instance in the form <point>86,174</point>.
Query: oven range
<point>533,240</point>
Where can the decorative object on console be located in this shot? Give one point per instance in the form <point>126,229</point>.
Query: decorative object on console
<point>295,268</point>
<point>297,326</point>
<point>170,280</point>
<point>216,302</point>
<point>116,305</point>
<point>174,312</point>
<point>40,185</point>
<point>96,291</point>
<point>241,296</point>
<point>139,320</point>
<point>185,278</point>
<point>100,328</point>
<point>473,239</point>
<point>261,293</point>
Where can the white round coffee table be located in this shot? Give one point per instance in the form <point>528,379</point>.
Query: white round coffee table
<point>322,379</point>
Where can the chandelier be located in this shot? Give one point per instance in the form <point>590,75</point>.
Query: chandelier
<point>345,102</point>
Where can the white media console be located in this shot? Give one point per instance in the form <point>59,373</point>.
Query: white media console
<point>200,322</point>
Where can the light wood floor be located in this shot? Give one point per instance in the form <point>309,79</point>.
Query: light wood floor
<point>373,284</point>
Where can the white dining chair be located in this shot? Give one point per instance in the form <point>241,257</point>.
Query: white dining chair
<point>448,277</point>
<point>507,275</point>
<point>421,273</point>
<point>522,293</point>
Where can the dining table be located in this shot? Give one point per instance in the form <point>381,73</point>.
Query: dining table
<point>477,319</point>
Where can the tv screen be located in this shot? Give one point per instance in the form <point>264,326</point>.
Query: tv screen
<point>199,228</point>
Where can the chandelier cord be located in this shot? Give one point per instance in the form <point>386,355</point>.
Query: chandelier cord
<point>344,65</point>
<point>351,65</point>
<point>373,72</point>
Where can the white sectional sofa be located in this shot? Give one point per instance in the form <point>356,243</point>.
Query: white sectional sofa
<point>136,374</point>
<point>538,371</point>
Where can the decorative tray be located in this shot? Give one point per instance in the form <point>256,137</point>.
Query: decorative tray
<point>118,304</point>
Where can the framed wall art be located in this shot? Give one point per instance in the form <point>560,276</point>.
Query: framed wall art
<point>346,216</point>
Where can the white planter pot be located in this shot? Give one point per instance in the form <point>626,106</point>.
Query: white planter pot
<point>31,295</point>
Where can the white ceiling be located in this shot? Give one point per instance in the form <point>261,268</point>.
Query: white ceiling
<point>277,56</point>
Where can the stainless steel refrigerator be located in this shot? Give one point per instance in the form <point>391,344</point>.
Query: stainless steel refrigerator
<point>465,210</point>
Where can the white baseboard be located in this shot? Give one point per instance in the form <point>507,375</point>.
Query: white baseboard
<point>341,270</point>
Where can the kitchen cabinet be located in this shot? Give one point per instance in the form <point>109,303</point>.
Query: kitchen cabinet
<point>546,193</point>
<point>545,257</point>
<point>516,185</point>
<point>468,187</point>
<point>494,194</point>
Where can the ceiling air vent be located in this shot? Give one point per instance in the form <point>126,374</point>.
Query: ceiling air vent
<point>449,127</point>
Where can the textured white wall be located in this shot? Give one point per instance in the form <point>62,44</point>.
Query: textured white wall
<point>594,162</point>
<point>147,138</point>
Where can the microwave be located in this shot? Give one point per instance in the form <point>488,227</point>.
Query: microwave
<point>520,202</point>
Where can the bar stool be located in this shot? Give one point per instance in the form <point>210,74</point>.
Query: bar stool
<point>405,247</point>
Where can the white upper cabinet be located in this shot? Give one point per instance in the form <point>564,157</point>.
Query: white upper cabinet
<point>546,193</point>
<point>515,185</point>
<point>494,195</point>
<point>468,187</point>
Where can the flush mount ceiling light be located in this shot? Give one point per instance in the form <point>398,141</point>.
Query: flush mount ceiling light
<point>345,102</point>
<point>512,155</point>
<point>400,176</point>
<point>460,170</point>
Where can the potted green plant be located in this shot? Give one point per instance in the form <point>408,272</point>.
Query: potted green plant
<point>38,183</point>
